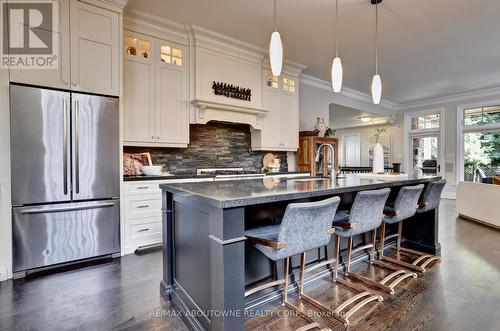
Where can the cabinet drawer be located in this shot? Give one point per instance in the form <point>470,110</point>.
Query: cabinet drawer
<point>143,206</point>
<point>144,233</point>
<point>142,187</point>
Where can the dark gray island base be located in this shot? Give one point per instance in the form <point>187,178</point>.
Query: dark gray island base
<point>207,264</point>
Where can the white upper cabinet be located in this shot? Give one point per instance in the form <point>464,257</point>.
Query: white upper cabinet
<point>59,77</point>
<point>139,88</point>
<point>88,51</point>
<point>94,49</point>
<point>156,111</point>
<point>280,128</point>
<point>172,112</point>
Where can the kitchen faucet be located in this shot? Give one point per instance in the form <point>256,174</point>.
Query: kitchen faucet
<point>332,153</point>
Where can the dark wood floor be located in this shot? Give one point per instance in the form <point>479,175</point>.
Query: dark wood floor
<point>461,293</point>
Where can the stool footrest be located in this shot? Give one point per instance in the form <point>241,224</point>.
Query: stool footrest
<point>309,326</point>
<point>264,286</point>
<point>317,265</point>
<point>403,264</point>
<point>370,282</point>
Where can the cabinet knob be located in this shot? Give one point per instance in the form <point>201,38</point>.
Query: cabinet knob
<point>158,137</point>
<point>65,82</point>
<point>153,137</point>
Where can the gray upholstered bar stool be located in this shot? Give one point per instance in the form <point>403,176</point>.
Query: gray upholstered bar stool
<point>366,216</point>
<point>405,207</point>
<point>305,226</point>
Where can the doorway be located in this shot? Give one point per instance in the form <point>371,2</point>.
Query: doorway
<point>425,153</point>
<point>351,150</point>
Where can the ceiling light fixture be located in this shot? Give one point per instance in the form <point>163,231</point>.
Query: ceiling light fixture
<point>337,71</point>
<point>365,119</point>
<point>275,48</point>
<point>376,81</point>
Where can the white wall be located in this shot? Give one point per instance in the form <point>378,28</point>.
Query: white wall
<point>5,207</point>
<point>316,97</point>
<point>450,135</point>
<point>366,132</point>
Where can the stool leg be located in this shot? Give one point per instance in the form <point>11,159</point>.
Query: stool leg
<point>349,253</point>
<point>285,289</point>
<point>382,240</point>
<point>302,273</point>
<point>337,255</point>
<point>400,234</point>
<point>374,243</point>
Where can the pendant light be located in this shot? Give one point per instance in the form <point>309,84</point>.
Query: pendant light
<point>337,71</point>
<point>376,81</point>
<point>275,49</point>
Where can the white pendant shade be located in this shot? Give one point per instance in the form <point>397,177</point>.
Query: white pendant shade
<point>376,89</point>
<point>276,53</point>
<point>337,74</point>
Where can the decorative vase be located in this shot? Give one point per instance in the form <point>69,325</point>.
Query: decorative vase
<point>378,159</point>
<point>320,126</point>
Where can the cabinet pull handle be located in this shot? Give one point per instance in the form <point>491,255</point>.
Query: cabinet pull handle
<point>158,137</point>
<point>153,137</point>
<point>65,82</point>
<point>75,84</point>
<point>143,230</point>
<point>143,206</point>
<point>142,187</point>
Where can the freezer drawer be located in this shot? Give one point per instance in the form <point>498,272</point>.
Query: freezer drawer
<point>50,234</point>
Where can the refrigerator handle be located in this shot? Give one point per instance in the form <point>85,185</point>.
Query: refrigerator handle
<point>65,147</point>
<point>66,209</point>
<point>77,146</point>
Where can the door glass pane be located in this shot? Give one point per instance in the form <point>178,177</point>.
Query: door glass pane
<point>481,156</point>
<point>137,47</point>
<point>425,122</point>
<point>425,154</point>
<point>483,115</point>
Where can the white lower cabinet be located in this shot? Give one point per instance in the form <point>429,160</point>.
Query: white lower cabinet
<point>142,217</point>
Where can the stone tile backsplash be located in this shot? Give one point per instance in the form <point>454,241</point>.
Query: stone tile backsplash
<point>211,145</point>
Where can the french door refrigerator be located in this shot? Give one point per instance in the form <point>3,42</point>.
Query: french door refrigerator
<point>65,176</point>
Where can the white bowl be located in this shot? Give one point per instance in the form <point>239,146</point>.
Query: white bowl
<point>152,170</point>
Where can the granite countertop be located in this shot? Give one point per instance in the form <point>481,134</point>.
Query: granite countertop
<point>129,178</point>
<point>227,194</point>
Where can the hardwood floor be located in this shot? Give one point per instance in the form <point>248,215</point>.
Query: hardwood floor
<point>461,293</point>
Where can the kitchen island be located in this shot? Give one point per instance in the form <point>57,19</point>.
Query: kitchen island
<point>207,264</point>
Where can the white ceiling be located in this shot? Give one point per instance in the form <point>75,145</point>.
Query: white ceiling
<point>428,48</point>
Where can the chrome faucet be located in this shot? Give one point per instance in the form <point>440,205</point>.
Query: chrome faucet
<point>332,153</point>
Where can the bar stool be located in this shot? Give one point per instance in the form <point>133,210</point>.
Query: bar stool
<point>366,215</point>
<point>305,226</point>
<point>405,207</point>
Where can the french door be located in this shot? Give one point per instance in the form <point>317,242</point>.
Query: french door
<point>425,152</point>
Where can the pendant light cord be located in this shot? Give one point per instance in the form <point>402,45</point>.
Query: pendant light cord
<point>275,16</point>
<point>376,38</point>
<point>337,28</point>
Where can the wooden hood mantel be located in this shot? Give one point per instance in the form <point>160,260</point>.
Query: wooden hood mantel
<point>206,111</point>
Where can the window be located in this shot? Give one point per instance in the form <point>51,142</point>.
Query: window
<point>170,55</point>
<point>481,155</point>
<point>482,115</point>
<point>137,47</point>
<point>288,85</point>
<point>478,135</point>
<point>425,122</point>
<point>272,81</point>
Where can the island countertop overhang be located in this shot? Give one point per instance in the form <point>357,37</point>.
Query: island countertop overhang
<point>232,194</point>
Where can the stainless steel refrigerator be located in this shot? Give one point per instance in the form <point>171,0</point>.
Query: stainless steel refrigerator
<point>65,176</point>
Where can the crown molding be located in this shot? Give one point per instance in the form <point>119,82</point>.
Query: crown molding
<point>151,25</point>
<point>112,5</point>
<point>348,125</point>
<point>351,93</point>
<point>489,92</point>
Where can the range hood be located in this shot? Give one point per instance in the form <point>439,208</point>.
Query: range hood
<point>206,111</point>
